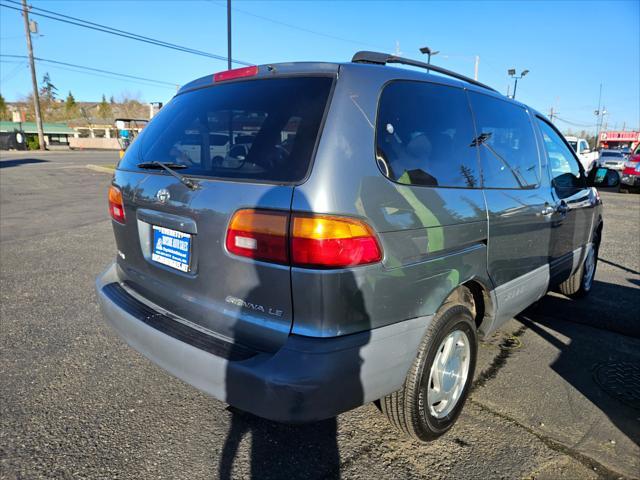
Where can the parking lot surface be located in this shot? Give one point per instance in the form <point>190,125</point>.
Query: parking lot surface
<point>554,395</point>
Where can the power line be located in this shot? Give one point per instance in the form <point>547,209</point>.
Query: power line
<point>574,124</point>
<point>13,72</point>
<point>99,70</point>
<point>117,32</point>
<point>301,29</point>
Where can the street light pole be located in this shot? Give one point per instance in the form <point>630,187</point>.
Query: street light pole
<point>34,81</point>
<point>428,52</point>
<point>512,74</point>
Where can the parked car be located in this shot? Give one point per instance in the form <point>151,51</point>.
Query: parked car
<point>357,258</point>
<point>630,177</point>
<point>613,159</point>
<point>588,158</point>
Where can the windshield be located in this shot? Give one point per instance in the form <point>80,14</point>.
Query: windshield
<point>259,129</point>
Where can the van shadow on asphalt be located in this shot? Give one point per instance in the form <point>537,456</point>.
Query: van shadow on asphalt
<point>604,373</point>
<point>20,161</point>
<point>609,306</point>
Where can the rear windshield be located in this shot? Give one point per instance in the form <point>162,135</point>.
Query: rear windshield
<point>261,130</point>
<point>612,154</point>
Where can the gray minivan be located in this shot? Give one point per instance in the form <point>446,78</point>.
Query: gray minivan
<point>364,226</point>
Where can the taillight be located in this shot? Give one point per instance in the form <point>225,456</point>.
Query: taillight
<point>116,208</point>
<point>332,242</point>
<point>259,234</point>
<point>235,73</point>
<point>315,241</point>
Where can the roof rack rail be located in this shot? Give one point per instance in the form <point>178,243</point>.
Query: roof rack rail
<point>379,58</point>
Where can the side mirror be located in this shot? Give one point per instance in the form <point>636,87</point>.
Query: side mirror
<point>585,151</point>
<point>603,177</point>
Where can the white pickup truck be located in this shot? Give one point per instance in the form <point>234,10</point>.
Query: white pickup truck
<point>588,158</point>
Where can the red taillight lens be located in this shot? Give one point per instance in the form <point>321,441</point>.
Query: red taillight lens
<point>116,208</point>
<point>259,234</point>
<point>326,241</point>
<point>235,73</point>
<point>315,241</point>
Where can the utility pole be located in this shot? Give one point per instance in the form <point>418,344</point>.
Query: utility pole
<point>34,81</point>
<point>398,52</point>
<point>475,71</point>
<point>228,34</point>
<point>598,113</point>
<point>551,114</point>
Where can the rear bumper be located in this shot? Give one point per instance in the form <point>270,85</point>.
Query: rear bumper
<point>307,379</point>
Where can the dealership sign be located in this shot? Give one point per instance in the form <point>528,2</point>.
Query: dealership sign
<point>620,136</point>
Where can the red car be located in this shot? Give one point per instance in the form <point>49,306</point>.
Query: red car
<point>630,175</point>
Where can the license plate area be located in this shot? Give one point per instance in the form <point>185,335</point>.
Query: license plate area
<point>171,248</point>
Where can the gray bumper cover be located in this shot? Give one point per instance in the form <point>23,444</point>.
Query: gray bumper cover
<point>307,379</point>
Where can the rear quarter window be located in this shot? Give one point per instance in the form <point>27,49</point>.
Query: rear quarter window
<point>424,135</point>
<point>263,130</point>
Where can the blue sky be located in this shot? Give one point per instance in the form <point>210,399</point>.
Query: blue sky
<point>569,47</point>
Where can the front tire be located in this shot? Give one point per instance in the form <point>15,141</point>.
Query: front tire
<point>439,380</point>
<point>580,283</point>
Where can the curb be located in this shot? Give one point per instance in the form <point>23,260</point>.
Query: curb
<point>99,168</point>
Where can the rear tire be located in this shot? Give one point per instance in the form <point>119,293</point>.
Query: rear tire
<point>438,382</point>
<point>580,283</point>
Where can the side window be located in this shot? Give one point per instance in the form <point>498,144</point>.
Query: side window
<point>424,136</point>
<point>508,152</point>
<point>566,176</point>
<point>583,146</point>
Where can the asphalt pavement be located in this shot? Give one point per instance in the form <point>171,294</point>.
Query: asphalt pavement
<point>549,400</point>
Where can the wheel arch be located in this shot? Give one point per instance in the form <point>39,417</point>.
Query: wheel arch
<point>482,305</point>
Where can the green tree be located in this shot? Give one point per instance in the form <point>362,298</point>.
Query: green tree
<point>104,109</point>
<point>48,90</point>
<point>4,113</point>
<point>70,105</point>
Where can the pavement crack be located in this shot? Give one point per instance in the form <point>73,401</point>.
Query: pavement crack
<point>602,471</point>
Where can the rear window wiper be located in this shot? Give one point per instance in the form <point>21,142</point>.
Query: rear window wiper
<point>169,168</point>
